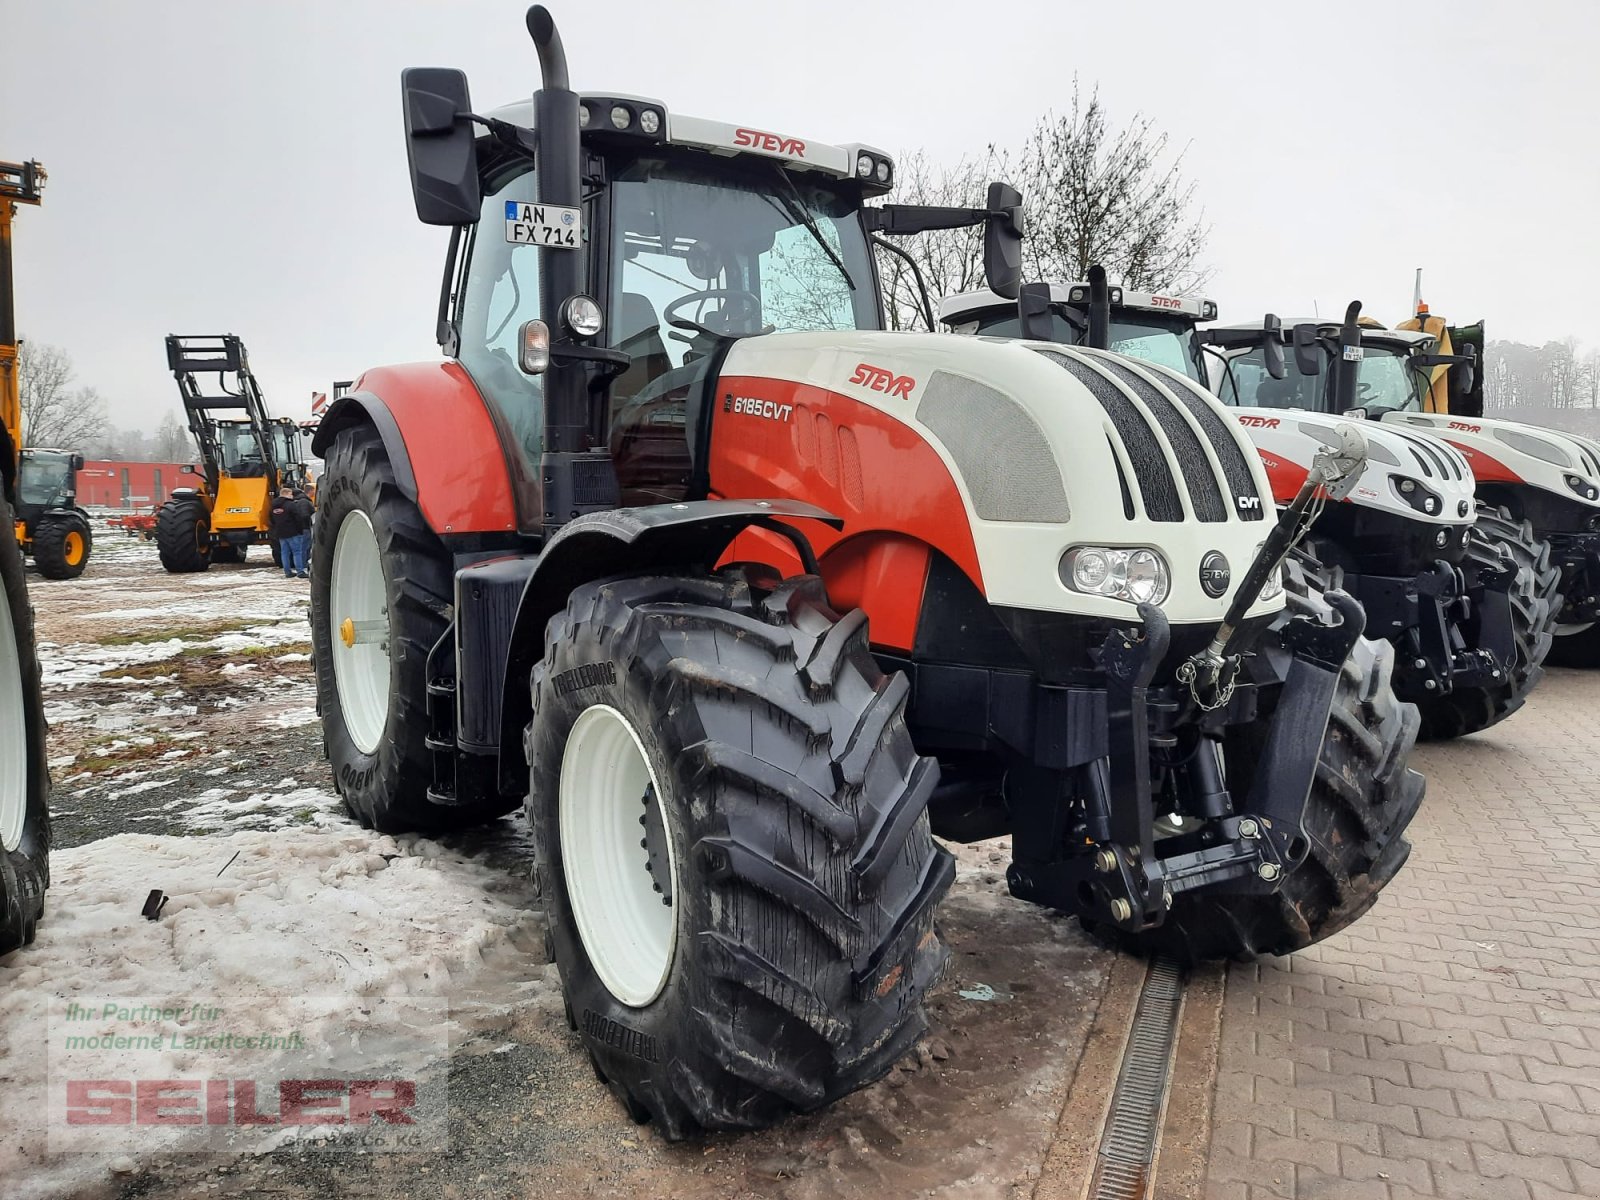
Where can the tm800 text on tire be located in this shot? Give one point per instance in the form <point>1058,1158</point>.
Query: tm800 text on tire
<point>733,848</point>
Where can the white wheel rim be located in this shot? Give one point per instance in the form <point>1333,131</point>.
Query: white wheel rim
<point>13,734</point>
<point>628,932</point>
<point>361,671</point>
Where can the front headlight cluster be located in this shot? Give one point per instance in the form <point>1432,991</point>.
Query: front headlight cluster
<point>1583,487</point>
<point>1418,495</point>
<point>1136,574</point>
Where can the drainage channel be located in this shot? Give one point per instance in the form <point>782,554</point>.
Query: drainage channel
<point>1124,1165</point>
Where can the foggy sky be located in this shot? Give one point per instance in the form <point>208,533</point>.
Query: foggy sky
<point>239,166</point>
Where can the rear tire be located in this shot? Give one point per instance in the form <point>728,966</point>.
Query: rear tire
<point>1534,604</point>
<point>1363,797</point>
<point>61,546</point>
<point>374,704</point>
<point>792,810</point>
<point>1575,649</point>
<point>183,534</point>
<point>24,779</point>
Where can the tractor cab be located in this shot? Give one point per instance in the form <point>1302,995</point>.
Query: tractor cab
<point>1391,372</point>
<point>1144,325</point>
<point>47,479</point>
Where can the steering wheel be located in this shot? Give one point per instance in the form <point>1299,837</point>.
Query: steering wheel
<point>738,315</point>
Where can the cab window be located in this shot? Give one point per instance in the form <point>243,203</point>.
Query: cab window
<point>500,293</point>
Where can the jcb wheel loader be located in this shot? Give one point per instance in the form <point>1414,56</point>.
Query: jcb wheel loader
<point>244,460</point>
<point>24,775</point>
<point>1466,594</point>
<point>745,600</point>
<point>49,524</point>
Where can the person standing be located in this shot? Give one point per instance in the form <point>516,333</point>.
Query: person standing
<point>286,525</point>
<point>304,514</point>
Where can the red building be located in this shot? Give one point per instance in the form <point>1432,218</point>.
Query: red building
<point>129,484</point>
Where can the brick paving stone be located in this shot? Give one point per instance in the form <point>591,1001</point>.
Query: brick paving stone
<point>1447,1045</point>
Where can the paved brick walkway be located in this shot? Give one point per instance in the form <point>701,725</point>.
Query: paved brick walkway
<point>1448,1045</point>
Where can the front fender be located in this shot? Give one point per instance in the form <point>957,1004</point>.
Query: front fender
<point>625,541</point>
<point>441,441</point>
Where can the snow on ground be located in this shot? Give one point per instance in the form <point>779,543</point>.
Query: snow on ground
<point>256,922</point>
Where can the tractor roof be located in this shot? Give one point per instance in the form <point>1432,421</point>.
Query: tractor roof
<point>1248,333</point>
<point>1196,307</point>
<point>797,153</point>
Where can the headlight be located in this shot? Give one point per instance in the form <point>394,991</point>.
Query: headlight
<point>1131,573</point>
<point>1273,588</point>
<point>1418,495</point>
<point>1583,487</point>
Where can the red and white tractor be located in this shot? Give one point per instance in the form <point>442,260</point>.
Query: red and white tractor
<point>744,600</point>
<point>1448,569</point>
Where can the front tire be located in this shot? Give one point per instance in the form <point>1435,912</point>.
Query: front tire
<point>24,779</point>
<point>183,534</point>
<point>1361,800</point>
<point>1535,601</point>
<point>61,546</point>
<point>376,562</point>
<point>782,810</point>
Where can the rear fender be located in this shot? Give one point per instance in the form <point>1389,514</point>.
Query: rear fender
<point>419,410</point>
<point>659,538</point>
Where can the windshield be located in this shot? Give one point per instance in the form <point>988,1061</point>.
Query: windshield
<point>732,251</point>
<point>43,478</point>
<point>1386,383</point>
<point>241,454</point>
<point>1164,341</point>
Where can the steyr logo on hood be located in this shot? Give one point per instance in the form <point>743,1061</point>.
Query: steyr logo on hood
<point>1215,575</point>
<point>770,142</point>
<point>1252,422</point>
<point>880,380</point>
<point>1464,426</point>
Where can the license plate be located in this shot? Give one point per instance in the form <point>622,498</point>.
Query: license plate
<point>543,225</point>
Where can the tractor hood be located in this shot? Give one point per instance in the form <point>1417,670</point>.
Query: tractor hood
<point>1025,450</point>
<point>1407,475</point>
<point>1510,452</point>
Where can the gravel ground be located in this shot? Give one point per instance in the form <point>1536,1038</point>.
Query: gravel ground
<point>183,706</point>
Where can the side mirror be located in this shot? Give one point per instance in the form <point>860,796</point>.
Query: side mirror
<point>1355,414</point>
<point>1307,358</point>
<point>76,462</point>
<point>1464,376</point>
<point>1002,241</point>
<point>1272,347</point>
<point>440,149</point>
<point>186,469</point>
<point>1033,311</point>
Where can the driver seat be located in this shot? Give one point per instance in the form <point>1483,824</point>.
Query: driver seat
<point>638,334</point>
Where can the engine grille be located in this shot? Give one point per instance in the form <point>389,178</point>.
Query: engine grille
<point>1002,454</point>
<point>1156,468</point>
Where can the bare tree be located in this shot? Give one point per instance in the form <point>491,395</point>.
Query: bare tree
<point>1113,197</point>
<point>1092,194</point>
<point>53,414</point>
<point>171,443</point>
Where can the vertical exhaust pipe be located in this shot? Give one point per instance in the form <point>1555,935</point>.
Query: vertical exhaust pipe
<point>1099,309</point>
<point>561,272</point>
<point>1347,368</point>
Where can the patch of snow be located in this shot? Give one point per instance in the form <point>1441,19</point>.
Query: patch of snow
<point>304,912</point>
